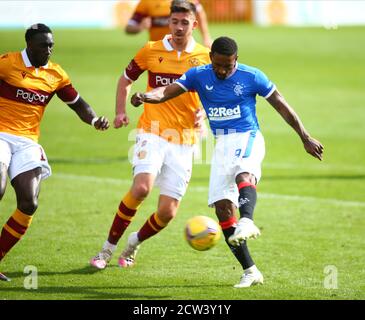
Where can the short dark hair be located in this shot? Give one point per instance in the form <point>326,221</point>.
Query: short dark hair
<point>182,6</point>
<point>225,46</point>
<point>36,28</point>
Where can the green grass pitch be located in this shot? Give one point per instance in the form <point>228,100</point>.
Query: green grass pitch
<point>311,213</point>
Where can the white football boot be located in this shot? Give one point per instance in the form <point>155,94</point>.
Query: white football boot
<point>250,277</point>
<point>128,256</point>
<point>101,260</point>
<point>245,229</point>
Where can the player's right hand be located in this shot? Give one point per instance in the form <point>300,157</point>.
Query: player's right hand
<point>137,99</point>
<point>121,120</point>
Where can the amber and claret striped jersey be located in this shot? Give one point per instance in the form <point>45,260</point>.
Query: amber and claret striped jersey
<point>25,92</point>
<point>159,12</point>
<point>164,66</point>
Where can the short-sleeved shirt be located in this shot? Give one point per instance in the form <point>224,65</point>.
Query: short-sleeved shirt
<point>159,12</point>
<point>164,66</point>
<point>25,92</point>
<point>230,104</point>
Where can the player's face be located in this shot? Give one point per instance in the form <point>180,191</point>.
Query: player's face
<point>223,65</point>
<point>40,48</point>
<point>182,25</point>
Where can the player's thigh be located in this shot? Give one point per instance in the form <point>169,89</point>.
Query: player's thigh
<point>251,162</point>
<point>28,155</point>
<point>176,171</point>
<point>142,185</point>
<point>27,183</point>
<point>222,185</point>
<point>148,154</point>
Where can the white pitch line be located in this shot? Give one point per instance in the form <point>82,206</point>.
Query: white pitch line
<point>263,195</point>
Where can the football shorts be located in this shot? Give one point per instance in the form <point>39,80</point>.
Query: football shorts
<point>234,153</point>
<point>22,154</point>
<point>170,163</point>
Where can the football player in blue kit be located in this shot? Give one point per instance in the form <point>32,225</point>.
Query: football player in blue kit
<point>228,90</point>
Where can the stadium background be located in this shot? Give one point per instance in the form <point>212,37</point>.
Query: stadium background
<point>310,213</point>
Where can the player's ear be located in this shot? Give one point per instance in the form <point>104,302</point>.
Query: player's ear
<point>195,24</point>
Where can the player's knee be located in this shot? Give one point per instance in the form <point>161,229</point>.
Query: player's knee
<point>246,177</point>
<point>28,206</point>
<point>224,209</point>
<point>141,191</point>
<point>166,215</point>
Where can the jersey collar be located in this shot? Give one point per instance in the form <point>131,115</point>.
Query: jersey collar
<point>27,62</point>
<point>189,48</point>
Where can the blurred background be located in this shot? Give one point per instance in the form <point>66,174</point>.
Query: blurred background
<point>113,13</point>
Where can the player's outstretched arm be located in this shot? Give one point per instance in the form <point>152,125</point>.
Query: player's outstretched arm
<point>157,95</point>
<point>311,145</point>
<point>124,87</point>
<point>88,115</point>
<point>134,27</point>
<point>203,27</point>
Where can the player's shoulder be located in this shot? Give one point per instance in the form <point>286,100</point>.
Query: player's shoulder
<point>10,56</point>
<point>154,45</point>
<point>204,68</point>
<point>249,71</point>
<point>55,67</point>
<point>244,68</point>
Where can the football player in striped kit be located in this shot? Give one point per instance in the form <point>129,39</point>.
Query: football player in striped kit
<point>28,81</point>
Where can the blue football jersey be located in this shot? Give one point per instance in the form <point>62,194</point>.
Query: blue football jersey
<point>230,104</point>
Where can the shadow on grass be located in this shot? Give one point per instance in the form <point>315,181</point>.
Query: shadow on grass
<point>82,292</point>
<point>90,292</point>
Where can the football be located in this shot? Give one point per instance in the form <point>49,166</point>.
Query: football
<point>202,233</point>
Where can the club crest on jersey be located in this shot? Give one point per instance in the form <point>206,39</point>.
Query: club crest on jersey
<point>194,62</point>
<point>160,59</point>
<point>238,89</point>
<point>142,154</point>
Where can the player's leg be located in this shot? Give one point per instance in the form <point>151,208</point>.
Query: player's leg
<point>26,186</point>
<point>173,180</point>
<point>127,209</point>
<point>247,173</point>
<point>3,176</point>
<point>28,166</point>
<point>225,211</point>
<point>246,229</point>
<point>147,161</point>
<point>167,209</point>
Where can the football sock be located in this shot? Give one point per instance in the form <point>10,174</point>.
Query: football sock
<point>126,211</point>
<point>13,230</point>
<point>152,226</point>
<point>240,252</point>
<point>246,199</point>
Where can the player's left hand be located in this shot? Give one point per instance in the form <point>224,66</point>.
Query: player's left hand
<point>101,124</point>
<point>137,99</point>
<point>313,147</point>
